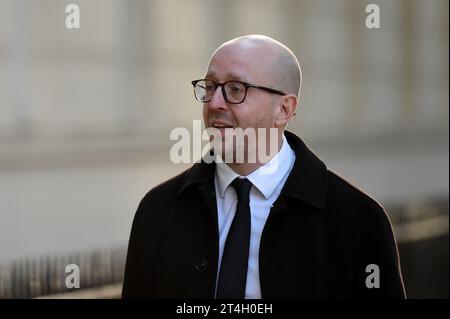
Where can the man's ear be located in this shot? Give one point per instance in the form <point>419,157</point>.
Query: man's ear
<point>287,108</point>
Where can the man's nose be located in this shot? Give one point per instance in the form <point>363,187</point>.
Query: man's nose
<point>218,100</point>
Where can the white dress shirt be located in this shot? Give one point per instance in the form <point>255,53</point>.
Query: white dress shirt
<point>265,190</point>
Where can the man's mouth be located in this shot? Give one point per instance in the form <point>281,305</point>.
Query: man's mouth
<point>221,126</point>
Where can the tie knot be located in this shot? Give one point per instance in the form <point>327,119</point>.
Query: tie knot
<point>242,187</point>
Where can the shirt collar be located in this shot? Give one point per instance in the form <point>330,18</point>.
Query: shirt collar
<point>265,182</point>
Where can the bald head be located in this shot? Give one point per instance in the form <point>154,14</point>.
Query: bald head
<point>269,61</point>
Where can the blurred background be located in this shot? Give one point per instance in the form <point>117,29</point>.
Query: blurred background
<point>85,118</point>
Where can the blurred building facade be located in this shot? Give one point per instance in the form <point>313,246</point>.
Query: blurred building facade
<point>85,114</point>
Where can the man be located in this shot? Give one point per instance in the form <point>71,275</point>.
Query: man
<point>232,230</point>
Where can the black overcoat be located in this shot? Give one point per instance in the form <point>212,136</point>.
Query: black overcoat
<point>320,236</point>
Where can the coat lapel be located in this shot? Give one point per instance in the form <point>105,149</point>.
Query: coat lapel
<point>199,189</point>
<point>292,250</point>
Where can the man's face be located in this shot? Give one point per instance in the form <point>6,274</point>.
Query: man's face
<point>246,64</point>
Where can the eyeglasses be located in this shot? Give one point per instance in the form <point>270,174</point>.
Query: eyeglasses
<point>234,92</point>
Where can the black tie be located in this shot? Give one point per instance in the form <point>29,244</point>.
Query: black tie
<point>233,269</point>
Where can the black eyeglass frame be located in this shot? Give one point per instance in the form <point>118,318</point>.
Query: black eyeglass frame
<point>246,85</point>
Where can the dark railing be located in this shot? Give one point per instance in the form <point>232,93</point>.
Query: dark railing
<point>46,275</point>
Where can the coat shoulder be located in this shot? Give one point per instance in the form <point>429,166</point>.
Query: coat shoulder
<point>165,192</point>
<point>158,205</point>
<point>343,196</point>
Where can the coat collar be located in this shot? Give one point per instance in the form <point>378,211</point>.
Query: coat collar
<point>309,176</point>
<point>307,181</point>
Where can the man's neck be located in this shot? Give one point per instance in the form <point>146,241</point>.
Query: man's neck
<point>244,169</point>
